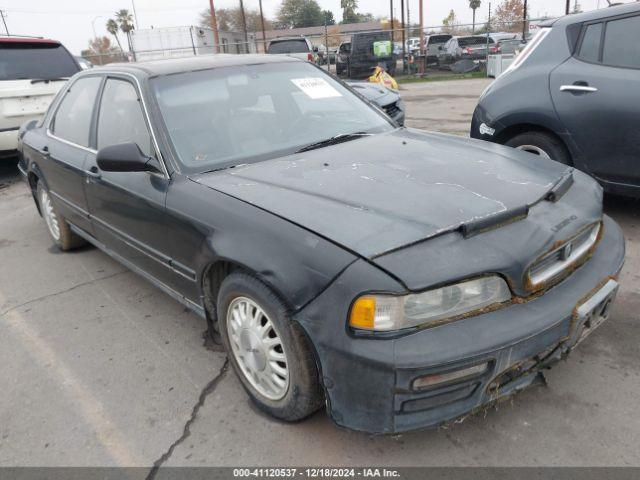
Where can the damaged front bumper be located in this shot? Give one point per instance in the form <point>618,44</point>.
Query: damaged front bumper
<point>433,376</point>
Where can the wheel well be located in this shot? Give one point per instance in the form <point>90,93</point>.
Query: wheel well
<point>514,130</point>
<point>33,180</point>
<point>212,279</point>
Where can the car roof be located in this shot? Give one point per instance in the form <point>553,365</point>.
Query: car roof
<point>201,62</point>
<point>291,37</point>
<point>28,40</point>
<point>592,15</point>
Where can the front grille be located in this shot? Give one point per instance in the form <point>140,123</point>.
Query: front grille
<point>392,109</point>
<point>563,258</point>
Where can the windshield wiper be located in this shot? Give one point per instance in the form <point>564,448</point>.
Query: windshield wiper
<point>343,137</point>
<point>47,80</point>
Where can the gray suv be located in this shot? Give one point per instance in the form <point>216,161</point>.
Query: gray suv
<point>573,94</point>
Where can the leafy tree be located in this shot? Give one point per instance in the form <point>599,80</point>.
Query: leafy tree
<point>474,5</point>
<point>125,20</point>
<point>101,51</point>
<point>230,19</point>
<point>349,8</point>
<point>112,28</point>
<point>450,22</point>
<point>328,17</point>
<point>509,15</point>
<point>300,13</point>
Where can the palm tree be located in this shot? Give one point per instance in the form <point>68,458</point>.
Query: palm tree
<point>474,5</point>
<point>112,28</point>
<point>125,21</point>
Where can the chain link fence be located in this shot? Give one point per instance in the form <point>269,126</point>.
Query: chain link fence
<point>445,49</point>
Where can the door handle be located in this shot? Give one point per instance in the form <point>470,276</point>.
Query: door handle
<point>578,88</point>
<point>93,172</point>
<point>44,151</point>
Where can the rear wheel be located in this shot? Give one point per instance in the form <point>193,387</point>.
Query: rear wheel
<point>57,226</point>
<point>541,144</point>
<point>268,351</point>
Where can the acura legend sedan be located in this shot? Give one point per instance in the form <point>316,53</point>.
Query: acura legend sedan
<point>401,278</point>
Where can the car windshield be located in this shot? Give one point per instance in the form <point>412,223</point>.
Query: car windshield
<point>227,116</point>
<point>288,46</point>
<point>34,60</point>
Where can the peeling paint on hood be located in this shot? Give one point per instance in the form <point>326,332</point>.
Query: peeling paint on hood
<point>382,192</point>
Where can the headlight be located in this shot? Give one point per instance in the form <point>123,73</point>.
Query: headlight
<point>386,313</point>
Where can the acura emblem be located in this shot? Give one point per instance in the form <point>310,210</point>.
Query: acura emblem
<point>566,251</point>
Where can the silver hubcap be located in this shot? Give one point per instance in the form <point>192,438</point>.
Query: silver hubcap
<point>49,215</point>
<point>257,348</point>
<point>535,150</point>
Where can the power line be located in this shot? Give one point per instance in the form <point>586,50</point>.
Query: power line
<point>4,21</point>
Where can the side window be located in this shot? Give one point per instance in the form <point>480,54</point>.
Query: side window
<point>72,120</point>
<point>121,119</point>
<point>590,47</point>
<point>622,43</point>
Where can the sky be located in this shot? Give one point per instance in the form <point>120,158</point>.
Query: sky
<point>72,21</point>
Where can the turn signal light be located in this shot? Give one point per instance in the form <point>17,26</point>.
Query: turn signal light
<point>363,313</point>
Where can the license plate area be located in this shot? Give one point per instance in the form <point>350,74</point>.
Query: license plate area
<point>595,311</point>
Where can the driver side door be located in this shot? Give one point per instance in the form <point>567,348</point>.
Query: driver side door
<point>128,208</point>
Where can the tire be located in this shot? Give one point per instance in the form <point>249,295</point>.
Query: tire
<point>253,361</point>
<point>542,144</point>
<point>57,226</point>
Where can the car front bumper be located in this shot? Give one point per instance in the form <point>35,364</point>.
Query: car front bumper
<point>369,380</point>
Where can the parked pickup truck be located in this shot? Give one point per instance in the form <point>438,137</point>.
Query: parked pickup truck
<point>298,47</point>
<point>32,70</point>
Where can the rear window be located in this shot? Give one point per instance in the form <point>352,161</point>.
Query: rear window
<point>622,43</point>
<point>590,48</point>
<point>437,39</point>
<point>29,61</point>
<point>468,41</point>
<point>288,46</point>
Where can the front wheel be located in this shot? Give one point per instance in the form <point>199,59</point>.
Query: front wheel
<point>268,351</point>
<point>541,144</point>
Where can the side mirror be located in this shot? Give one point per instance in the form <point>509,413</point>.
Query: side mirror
<point>125,157</point>
<point>315,49</point>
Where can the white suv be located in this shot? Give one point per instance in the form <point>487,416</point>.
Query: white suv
<point>32,70</point>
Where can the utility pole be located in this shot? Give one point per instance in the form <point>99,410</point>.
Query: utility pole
<point>244,27</point>
<point>391,17</point>
<point>135,15</point>
<point>422,53</point>
<point>524,22</point>
<point>404,39</point>
<point>408,18</point>
<point>4,22</point>
<point>568,6</point>
<point>264,37</point>
<point>214,26</point>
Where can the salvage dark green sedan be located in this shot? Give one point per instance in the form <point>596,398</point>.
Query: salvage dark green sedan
<point>398,277</point>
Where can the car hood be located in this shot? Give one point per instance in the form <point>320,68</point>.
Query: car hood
<point>380,193</point>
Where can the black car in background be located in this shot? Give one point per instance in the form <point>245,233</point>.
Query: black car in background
<point>400,278</point>
<point>359,57</point>
<point>573,95</point>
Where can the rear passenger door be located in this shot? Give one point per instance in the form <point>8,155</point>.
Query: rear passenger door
<point>596,94</point>
<point>62,157</point>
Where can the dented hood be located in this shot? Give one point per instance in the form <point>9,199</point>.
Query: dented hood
<point>380,193</point>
